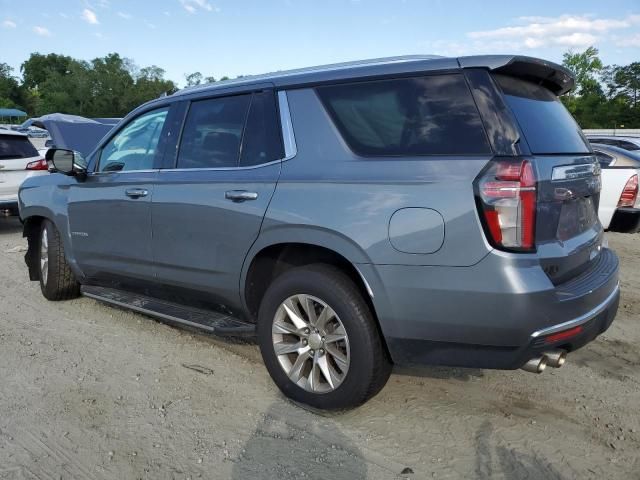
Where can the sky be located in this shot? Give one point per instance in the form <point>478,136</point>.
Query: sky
<point>243,37</point>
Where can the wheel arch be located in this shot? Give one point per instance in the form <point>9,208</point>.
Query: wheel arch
<point>268,260</point>
<point>31,231</point>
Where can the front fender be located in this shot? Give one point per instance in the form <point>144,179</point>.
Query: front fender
<point>47,197</point>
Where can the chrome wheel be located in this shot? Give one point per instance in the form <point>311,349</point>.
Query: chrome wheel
<point>311,343</point>
<point>44,256</point>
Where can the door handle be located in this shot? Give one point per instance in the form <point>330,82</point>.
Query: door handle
<point>136,192</point>
<point>240,195</point>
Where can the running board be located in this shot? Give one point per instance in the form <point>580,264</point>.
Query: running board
<point>210,321</point>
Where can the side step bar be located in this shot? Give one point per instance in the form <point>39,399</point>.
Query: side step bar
<point>210,321</point>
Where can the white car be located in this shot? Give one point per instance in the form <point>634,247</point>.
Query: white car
<point>619,209</point>
<point>19,160</point>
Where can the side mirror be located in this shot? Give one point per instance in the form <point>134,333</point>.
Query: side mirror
<point>67,162</point>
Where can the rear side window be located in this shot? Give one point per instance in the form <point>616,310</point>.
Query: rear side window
<point>428,115</point>
<point>15,146</point>
<point>213,132</point>
<point>261,142</point>
<point>546,124</point>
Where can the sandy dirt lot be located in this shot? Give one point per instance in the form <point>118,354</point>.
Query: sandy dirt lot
<point>92,392</point>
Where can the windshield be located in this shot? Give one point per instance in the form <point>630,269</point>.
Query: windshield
<point>546,124</point>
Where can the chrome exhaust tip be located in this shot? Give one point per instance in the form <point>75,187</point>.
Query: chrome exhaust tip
<point>535,365</point>
<point>556,358</point>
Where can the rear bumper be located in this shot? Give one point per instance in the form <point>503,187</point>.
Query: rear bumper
<point>424,352</point>
<point>496,314</point>
<point>625,220</point>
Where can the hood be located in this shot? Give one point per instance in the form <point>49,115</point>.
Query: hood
<point>73,132</point>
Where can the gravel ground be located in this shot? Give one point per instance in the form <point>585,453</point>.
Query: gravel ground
<point>93,392</point>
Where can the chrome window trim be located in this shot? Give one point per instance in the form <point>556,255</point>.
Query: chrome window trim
<point>288,136</point>
<point>221,169</point>
<point>581,319</point>
<point>96,174</point>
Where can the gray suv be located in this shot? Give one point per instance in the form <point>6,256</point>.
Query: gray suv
<point>413,210</point>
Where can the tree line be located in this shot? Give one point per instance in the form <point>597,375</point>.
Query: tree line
<point>109,86</point>
<point>605,96</point>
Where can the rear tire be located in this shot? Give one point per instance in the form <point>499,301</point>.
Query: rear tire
<point>333,360</point>
<point>57,281</point>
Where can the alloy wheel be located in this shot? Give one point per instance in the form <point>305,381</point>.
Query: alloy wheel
<point>44,256</point>
<point>311,343</point>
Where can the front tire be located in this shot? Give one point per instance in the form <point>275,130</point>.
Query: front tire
<point>319,339</point>
<point>57,281</point>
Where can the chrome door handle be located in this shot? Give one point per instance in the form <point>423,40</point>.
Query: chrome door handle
<point>136,192</point>
<point>240,195</point>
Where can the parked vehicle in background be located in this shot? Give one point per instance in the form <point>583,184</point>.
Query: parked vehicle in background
<point>625,142</point>
<point>19,160</point>
<point>310,208</point>
<point>619,209</point>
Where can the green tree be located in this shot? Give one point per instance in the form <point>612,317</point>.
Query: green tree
<point>38,68</point>
<point>149,83</point>
<point>10,91</point>
<point>193,79</point>
<point>586,66</point>
<point>627,82</point>
<point>111,82</point>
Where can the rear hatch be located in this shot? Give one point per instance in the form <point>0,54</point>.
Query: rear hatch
<point>16,152</point>
<point>568,234</point>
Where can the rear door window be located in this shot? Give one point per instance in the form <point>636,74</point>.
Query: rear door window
<point>15,147</point>
<point>262,142</point>
<point>546,124</point>
<point>427,115</point>
<point>212,133</point>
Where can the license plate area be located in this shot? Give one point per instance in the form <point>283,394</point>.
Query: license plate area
<point>576,216</point>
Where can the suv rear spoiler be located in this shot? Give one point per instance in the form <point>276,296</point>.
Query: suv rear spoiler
<point>555,77</point>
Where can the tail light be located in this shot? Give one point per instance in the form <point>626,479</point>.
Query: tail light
<point>506,197</point>
<point>629,193</point>
<point>38,165</point>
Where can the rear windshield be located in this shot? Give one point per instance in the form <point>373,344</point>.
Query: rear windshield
<point>429,115</point>
<point>14,146</point>
<point>547,126</point>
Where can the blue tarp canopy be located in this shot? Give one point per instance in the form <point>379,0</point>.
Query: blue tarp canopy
<point>11,112</point>
<point>73,132</point>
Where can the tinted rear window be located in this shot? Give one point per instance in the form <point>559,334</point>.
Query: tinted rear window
<point>546,124</point>
<point>261,142</point>
<point>14,146</point>
<point>213,132</point>
<point>429,115</point>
